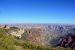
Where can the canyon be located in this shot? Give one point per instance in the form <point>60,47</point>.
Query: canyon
<point>40,34</point>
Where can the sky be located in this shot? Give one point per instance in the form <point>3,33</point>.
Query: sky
<point>37,11</point>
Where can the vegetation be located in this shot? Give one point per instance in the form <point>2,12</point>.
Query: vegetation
<point>6,42</point>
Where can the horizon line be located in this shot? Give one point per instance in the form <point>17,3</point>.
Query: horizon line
<point>38,23</point>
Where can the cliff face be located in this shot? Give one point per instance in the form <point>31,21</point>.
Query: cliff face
<point>34,35</point>
<point>17,33</point>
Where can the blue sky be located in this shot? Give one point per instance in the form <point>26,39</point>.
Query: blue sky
<point>37,11</point>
